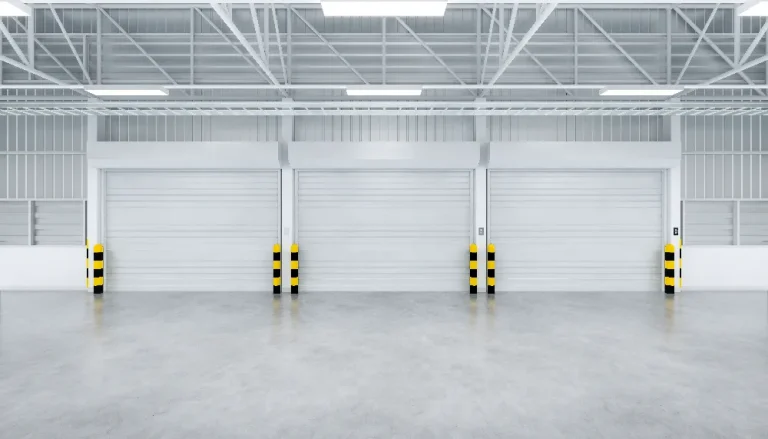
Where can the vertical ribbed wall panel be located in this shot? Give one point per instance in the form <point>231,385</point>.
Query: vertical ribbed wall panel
<point>187,128</point>
<point>384,128</point>
<point>42,157</point>
<point>579,129</point>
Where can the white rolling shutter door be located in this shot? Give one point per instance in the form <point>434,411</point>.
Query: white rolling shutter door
<point>384,230</point>
<point>190,230</point>
<point>577,230</point>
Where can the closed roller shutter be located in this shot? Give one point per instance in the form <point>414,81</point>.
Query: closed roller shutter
<point>190,230</point>
<point>577,230</point>
<point>384,230</point>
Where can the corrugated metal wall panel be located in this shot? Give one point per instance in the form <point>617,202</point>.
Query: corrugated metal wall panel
<point>384,128</point>
<point>754,223</point>
<point>14,223</point>
<point>187,128</point>
<point>709,223</point>
<point>384,230</point>
<point>59,223</point>
<point>574,129</point>
<point>576,230</point>
<point>724,157</point>
<point>42,157</point>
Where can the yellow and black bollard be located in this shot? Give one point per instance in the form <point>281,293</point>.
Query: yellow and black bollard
<point>87,265</point>
<point>473,269</point>
<point>276,269</point>
<point>98,269</point>
<point>669,269</point>
<point>295,269</point>
<point>491,261</point>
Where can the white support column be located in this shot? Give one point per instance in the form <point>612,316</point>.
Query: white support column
<point>286,200</point>
<point>94,205</point>
<point>480,184</point>
<point>674,195</point>
<point>31,222</point>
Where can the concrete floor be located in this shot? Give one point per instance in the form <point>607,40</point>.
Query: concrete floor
<point>544,365</point>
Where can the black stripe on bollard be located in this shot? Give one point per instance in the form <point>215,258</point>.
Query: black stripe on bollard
<point>669,269</point>
<point>473,269</point>
<point>98,269</point>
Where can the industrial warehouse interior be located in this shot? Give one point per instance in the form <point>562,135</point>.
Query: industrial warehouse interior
<point>383,219</point>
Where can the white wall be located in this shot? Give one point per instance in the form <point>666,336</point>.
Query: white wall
<point>723,267</point>
<point>42,267</point>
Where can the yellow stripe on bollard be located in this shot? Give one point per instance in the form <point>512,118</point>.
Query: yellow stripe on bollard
<point>491,269</point>
<point>276,269</point>
<point>473,269</point>
<point>669,269</point>
<point>98,269</point>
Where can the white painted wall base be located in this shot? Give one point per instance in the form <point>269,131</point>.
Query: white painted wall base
<point>42,267</point>
<point>734,268</point>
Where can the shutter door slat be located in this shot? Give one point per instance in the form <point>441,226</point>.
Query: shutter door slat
<point>576,230</point>
<point>384,230</point>
<point>191,230</point>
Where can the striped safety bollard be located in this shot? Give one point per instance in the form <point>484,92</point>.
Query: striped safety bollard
<point>98,269</point>
<point>669,269</point>
<point>87,265</point>
<point>491,261</point>
<point>276,269</point>
<point>473,269</point>
<point>295,269</point>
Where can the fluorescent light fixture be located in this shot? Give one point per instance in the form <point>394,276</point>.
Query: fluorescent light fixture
<point>383,90</point>
<point>651,91</point>
<point>126,90</point>
<point>753,8</point>
<point>389,8</point>
<point>14,8</point>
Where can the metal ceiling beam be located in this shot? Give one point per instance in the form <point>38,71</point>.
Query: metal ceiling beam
<point>617,45</point>
<point>540,19</point>
<point>327,43</point>
<point>138,46</point>
<point>279,45</point>
<point>257,29</point>
<point>48,52</point>
<point>736,70</point>
<point>488,43</point>
<point>245,56</point>
<point>244,42</point>
<point>33,71</point>
<point>13,44</point>
<point>69,42</point>
<point>510,29</point>
<point>429,49</point>
<point>530,55</point>
<point>755,42</point>
<point>698,43</point>
<point>714,47</point>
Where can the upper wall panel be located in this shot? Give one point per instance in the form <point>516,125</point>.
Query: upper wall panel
<point>384,129</point>
<point>187,129</point>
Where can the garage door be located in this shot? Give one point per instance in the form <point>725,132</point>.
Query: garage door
<point>190,231</point>
<point>577,231</point>
<point>384,231</point>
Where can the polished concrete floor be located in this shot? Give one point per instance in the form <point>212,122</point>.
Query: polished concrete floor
<point>578,365</point>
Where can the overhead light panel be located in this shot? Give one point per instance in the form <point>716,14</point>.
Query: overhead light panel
<point>753,8</point>
<point>123,91</point>
<point>14,8</point>
<point>641,91</point>
<point>388,8</point>
<point>384,90</point>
